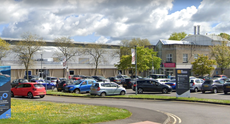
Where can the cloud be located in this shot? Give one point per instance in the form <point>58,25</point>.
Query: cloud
<point>111,20</point>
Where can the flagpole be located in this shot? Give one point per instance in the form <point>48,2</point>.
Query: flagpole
<point>136,67</point>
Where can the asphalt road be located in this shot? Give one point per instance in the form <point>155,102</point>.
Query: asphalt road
<point>207,95</point>
<point>156,110</point>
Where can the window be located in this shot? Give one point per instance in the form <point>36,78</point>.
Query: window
<point>195,56</point>
<point>169,58</point>
<point>71,72</point>
<point>185,58</point>
<point>90,82</point>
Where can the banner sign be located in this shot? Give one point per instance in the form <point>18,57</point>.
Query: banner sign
<point>169,65</point>
<point>182,82</point>
<point>133,56</point>
<point>5,92</point>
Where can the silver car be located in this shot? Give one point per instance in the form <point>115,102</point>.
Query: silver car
<point>196,84</point>
<point>106,88</point>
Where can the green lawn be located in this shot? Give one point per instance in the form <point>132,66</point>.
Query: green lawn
<point>27,111</point>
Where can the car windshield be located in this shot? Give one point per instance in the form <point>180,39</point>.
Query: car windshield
<point>216,76</point>
<point>101,77</point>
<point>125,76</point>
<point>38,85</point>
<point>208,82</point>
<point>77,82</point>
<point>53,78</point>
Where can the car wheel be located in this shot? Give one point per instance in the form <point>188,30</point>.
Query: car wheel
<point>164,90</point>
<point>215,90</point>
<point>30,95</point>
<point>77,91</point>
<point>42,96</point>
<point>203,91</point>
<point>140,90</point>
<point>225,92</point>
<point>122,93</point>
<point>12,94</point>
<point>103,94</point>
<point>196,89</point>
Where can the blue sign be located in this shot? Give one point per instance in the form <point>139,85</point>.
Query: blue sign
<point>5,92</point>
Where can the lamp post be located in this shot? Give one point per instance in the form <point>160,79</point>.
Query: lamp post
<point>42,71</point>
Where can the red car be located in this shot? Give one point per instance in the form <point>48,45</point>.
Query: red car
<point>29,89</point>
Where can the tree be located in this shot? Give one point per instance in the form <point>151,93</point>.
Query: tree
<point>26,48</point>
<point>126,45</point>
<point>225,35</point>
<point>177,36</point>
<point>96,51</point>
<point>145,57</point>
<point>221,53</point>
<point>203,65</point>
<point>4,48</point>
<point>67,48</point>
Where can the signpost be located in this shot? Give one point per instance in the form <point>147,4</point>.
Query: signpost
<point>5,92</point>
<point>182,82</point>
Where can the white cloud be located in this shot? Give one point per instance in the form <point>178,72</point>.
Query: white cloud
<point>117,19</point>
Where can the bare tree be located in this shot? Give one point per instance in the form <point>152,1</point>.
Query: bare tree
<point>4,48</point>
<point>97,52</point>
<point>26,48</point>
<point>67,48</point>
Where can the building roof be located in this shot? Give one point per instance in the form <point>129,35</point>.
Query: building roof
<point>165,42</point>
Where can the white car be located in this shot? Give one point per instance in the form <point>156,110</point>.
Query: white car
<point>162,80</point>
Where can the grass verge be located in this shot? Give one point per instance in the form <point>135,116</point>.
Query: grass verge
<point>142,96</point>
<point>27,111</point>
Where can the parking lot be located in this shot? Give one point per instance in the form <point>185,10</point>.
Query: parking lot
<point>207,95</point>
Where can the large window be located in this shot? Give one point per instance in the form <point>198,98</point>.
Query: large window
<point>195,56</point>
<point>71,72</point>
<point>185,58</point>
<point>169,58</point>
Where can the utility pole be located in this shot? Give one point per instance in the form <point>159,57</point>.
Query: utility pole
<point>136,67</point>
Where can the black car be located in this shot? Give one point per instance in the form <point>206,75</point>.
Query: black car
<point>115,79</point>
<point>30,77</point>
<point>61,86</point>
<point>226,87</point>
<point>125,81</point>
<point>212,85</point>
<point>150,85</point>
<point>18,81</point>
<point>100,78</point>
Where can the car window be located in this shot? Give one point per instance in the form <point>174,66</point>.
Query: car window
<point>90,82</point>
<point>53,78</point>
<point>38,85</point>
<point>113,85</point>
<point>217,82</point>
<point>197,81</point>
<point>208,82</point>
<point>105,84</point>
<point>221,81</point>
<point>84,83</point>
<point>96,85</point>
<point>20,86</point>
<point>26,85</point>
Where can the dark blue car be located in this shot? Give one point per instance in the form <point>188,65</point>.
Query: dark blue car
<point>82,85</point>
<point>172,83</point>
<point>47,84</point>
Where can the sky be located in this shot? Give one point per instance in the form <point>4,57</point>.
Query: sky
<point>110,21</point>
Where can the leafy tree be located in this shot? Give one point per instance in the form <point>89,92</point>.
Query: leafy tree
<point>97,52</point>
<point>145,56</point>
<point>225,35</point>
<point>4,48</point>
<point>67,47</point>
<point>26,48</point>
<point>177,36</point>
<point>126,45</point>
<point>203,65</point>
<point>221,53</point>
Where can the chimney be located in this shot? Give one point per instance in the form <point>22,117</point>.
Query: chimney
<point>194,30</point>
<point>198,29</point>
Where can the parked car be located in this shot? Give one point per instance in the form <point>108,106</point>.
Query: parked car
<point>18,81</point>
<point>28,89</point>
<point>79,76</point>
<point>115,79</point>
<point>162,80</point>
<point>220,76</point>
<point>30,77</point>
<point>125,81</point>
<point>100,78</point>
<point>195,84</point>
<point>80,86</point>
<point>47,84</point>
<point>61,86</point>
<point>226,87</point>
<point>150,85</point>
<point>52,79</point>
<point>156,76</point>
<point>212,85</point>
<point>137,77</point>
<point>107,88</point>
<point>172,83</point>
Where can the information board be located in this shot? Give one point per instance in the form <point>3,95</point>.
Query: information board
<point>5,92</point>
<point>182,82</point>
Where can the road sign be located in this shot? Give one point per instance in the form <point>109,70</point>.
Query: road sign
<point>182,82</point>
